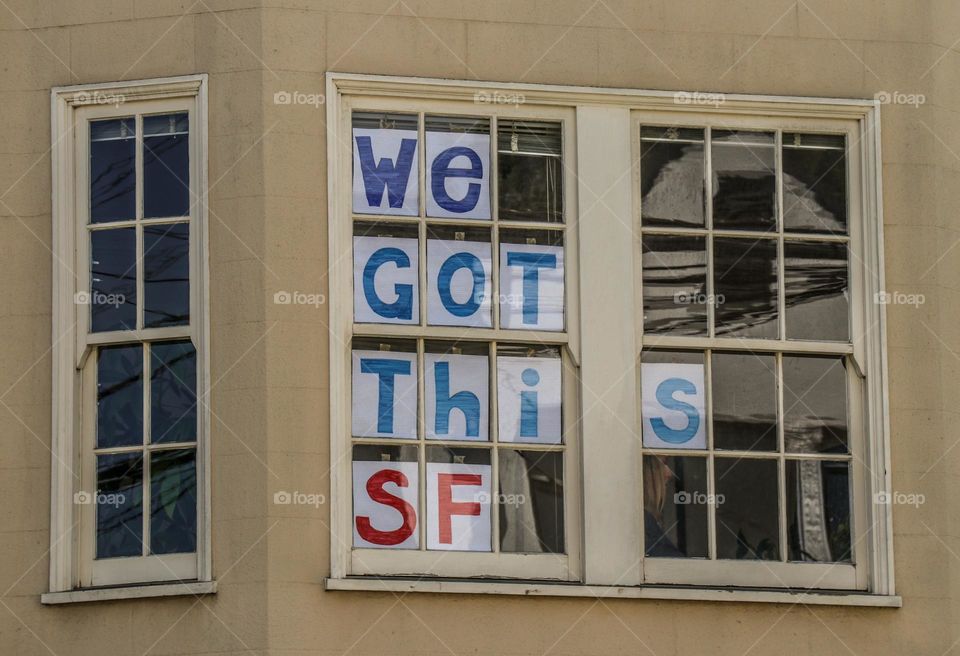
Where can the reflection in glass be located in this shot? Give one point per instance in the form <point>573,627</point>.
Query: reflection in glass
<point>166,275</point>
<point>112,175</point>
<point>818,511</point>
<point>816,290</point>
<point>674,285</point>
<point>748,525</point>
<point>173,501</point>
<point>744,401</point>
<point>744,180</point>
<point>814,404</point>
<point>166,165</point>
<point>671,177</point>
<point>173,396</point>
<point>745,285</point>
<point>675,506</point>
<point>531,501</point>
<point>814,183</point>
<point>119,505</point>
<point>119,396</point>
<point>530,175</point>
<point>113,280</point>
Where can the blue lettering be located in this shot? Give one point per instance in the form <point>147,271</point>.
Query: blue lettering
<point>453,264</point>
<point>665,392</point>
<point>384,174</point>
<point>528,404</point>
<point>402,308</point>
<point>465,401</point>
<point>386,370</point>
<point>441,170</point>
<point>531,263</point>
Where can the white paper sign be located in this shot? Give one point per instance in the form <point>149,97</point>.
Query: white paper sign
<point>386,280</point>
<point>384,394</point>
<point>531,287</point>
<point>674,406</point>
<point>458,507</point>
<point>458,283</point>
<point>457,396</point>
<point>528,403</point>
<point>385,496</point>
<point>385,172</point>
<point>458,175</point>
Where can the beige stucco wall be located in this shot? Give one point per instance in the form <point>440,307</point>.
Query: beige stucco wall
<point>268,233</point>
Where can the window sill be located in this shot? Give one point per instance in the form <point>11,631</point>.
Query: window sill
<point>544,589</point>
<point>129,592</point>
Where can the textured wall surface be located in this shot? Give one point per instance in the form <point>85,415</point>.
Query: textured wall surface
<point>267,227</point>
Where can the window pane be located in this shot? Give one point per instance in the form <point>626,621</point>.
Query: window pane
<point>531,501</point>
<point>814,183</point>
<point>113,192</point>
<point>456,390</point>
<point>748,512</point>
<point>744,401</point>
<point>459,493</point>
<point>532,270</point>
<point>814,404</point>
<point>113,280</point>
<point>529,394</point>
<point>173,501</point>
<point>530,176</point>
<point>816,288</point>
<point>671,177</point>
<point>119,396</point>
<point>674,285</point>
<point>459,276</point>
<point>745,285</point>
<point>166,166</point>
<point>744,180</point>
<point>458,167</point>
<point>673,399</point>
<point>675,507</point>
<point>173,396</point>
<point>818,511</point>
<point>119,505</point>
<point>166,275</point>
<point>386,493</point>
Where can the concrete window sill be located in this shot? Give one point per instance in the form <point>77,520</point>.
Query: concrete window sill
<point>525,588</point>
<point>129,592</point>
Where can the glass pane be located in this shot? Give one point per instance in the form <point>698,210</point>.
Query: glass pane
<point>674,285</point>
<point>532,271</point>
<point>744,401</point>
<point>748,525</point>
<point>113,191</point>
<point>673,399</point>
<point>386,493</point>
<point>814,183</point>
<point>530,175</point>
<point>119,505</point>
<point>814,404</point>
<point>458,167</point>
<point>459,276</point>
<point>745,285</point>
<point>456,390</point>
<point>675,507</point>
<point>818,511</point>
<point>113,280</point>
<point>166,275</point>
<point>119,396</point>
<point>166,165</point>
<point>460,481</point>
<point>173,501</point>
<point>816,288</point>
<point>173,396</point>
<point>529,394</point>
<point>671,177</point>
<point>744,180</point>
<point>531,501</point>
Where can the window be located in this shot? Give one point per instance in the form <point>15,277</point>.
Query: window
<point>129,354</point>
<point>719,352</point>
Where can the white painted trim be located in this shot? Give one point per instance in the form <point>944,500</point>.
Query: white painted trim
<point>192,588</point>
<point>526,589</point>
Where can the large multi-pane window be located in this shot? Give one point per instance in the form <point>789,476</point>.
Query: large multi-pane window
<point>138,332</point>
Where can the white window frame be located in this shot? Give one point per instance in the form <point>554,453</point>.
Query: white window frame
<point>72,566</point>
<point>606,140</point>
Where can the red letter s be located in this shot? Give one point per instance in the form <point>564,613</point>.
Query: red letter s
<point>375,489</point>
